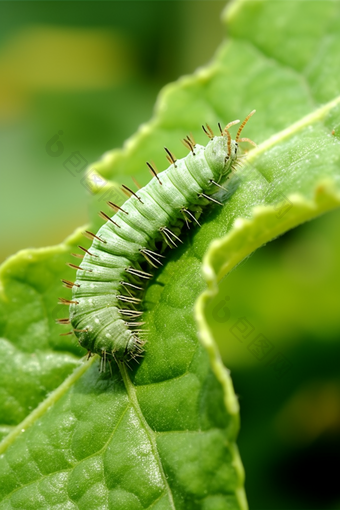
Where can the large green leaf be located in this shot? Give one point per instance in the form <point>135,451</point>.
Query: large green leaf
<point>163,434</point>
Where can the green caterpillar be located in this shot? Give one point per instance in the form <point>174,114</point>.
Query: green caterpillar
<point>105,309</point>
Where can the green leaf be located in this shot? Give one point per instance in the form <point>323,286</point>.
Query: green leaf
<point>34,358</point>
<point>162,435</point>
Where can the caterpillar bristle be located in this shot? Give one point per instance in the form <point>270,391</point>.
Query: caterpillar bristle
<point>170,157</point>
<point>63,321</point>
<point>192,216</point>
<point>153,172</point>
<point>236,164</point>
<point>229,142</point>
<point>116,207</point>
<point>191,139</point>
<point>209,132</point>
<point>168,240</point>
<point>232,123</point>
<point>248,140</point>
<point>128,192</point>
<point>87,251</point>
<point>131,285</point>
<point>139,350</point>
<point>69,285</point>
<point>154,254</point>
<point>77,255</point>
<point>138,272</point>
<point>66,334</point>
<point>130,313</point>
<point>185,218</point>
<point>127,364</point>
<point>133,357</point>
<point>148,253</point>
<point>102,367</point>
<point>220,128</point>
<point>63,301</point>
<point>218,185</point>
<point>107,218</point>
<point>203,195</point>
<point>91,235</point>
<point>138,354</point>
<point>148,260</point>
<point>243,124</point>
<point>188,145</point>
<point>206,132</point>
<point>140,341</point>
<point>76,267</point>
<point>139,186</point>
<point>167,235</point>
<point>129,299</point>
<point>129,291</point>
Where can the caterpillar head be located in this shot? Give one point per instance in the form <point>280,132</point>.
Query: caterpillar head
<point>221,151</point>
<point>220,154</point>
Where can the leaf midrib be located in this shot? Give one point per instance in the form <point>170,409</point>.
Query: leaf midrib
<point>45,405</point>
<point>313,117</point>
<point>131,391</point>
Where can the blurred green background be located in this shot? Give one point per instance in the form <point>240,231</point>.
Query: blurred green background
<point>288,294</point>
<point>93,70</point>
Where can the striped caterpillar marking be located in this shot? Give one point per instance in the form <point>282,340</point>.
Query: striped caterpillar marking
<point>105,309</point>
